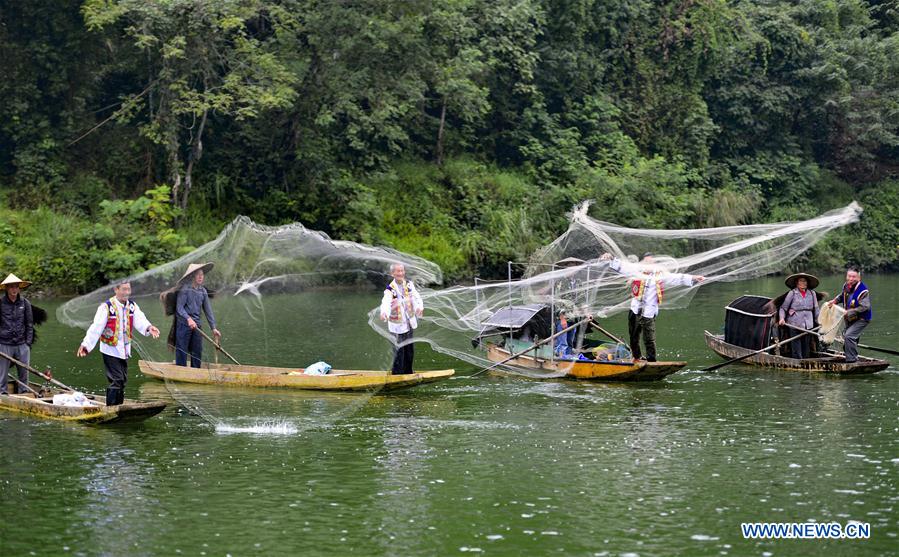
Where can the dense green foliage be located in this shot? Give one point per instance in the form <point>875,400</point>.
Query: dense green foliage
<point>461,131</point>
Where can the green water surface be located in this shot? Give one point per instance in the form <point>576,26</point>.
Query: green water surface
<point>484,465</point>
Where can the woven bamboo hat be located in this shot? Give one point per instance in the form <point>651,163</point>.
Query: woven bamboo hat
<point>13,279</point>
<point>193,268</point>
<point>792,279</point>
<point>569,262</point>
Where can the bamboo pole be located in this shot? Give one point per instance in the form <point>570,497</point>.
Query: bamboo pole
<point>36,372</point>
<point>535,345</point>
<point>218,346</point>
<point>743,357</point>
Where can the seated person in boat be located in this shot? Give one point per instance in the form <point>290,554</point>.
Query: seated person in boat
<point>800,309</point>
<point>647,284</point>
<point>192,298</point>
<point>856,300</point>
<point>561,344</point>
<point>113,325</point>
<point>16,330</point>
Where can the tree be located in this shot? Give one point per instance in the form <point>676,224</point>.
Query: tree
<point>201,57</point>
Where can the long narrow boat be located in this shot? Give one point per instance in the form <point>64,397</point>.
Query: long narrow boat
<point>822,362</point>
<point>96,413</point>
<point>593,370</point>
<point>293,378</point>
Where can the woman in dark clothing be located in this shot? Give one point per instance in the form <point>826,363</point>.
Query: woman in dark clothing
<point>800,309</point>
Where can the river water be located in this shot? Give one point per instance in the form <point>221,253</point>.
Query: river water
<point>484,465</point>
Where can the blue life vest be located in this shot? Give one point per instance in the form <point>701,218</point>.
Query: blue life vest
<point>851,300</point>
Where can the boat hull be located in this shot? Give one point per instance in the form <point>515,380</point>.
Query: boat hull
<point>829,363</point>
<point>129,410</point>
<point>588,370</point>
<point>265,376</point>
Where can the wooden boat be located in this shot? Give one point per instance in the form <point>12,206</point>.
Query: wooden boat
<point>750,325</point>
<point>826,361</point>
<point>515,325</point>
<point>293,378</point>
<point>97,413</point>
<point>593,370</point>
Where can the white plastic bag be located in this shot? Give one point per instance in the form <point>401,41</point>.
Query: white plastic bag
<point>318,368</point>
<point>71,399</point>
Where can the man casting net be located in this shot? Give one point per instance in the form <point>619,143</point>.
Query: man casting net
<point>598,269</point>
<point>282,297</point>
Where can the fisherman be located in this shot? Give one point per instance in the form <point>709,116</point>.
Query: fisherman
<point>570,290</point>
<point>800,309</point>
<point>856,300</point>
<point>562,343</point>
<point>401,305</point>
<point>648,285</point>
<point>113,325</point>
<point>192,297</point>
<point>16,330</point>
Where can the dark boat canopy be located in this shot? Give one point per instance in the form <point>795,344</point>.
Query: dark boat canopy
<point>513,317</point>
<point>748,322</point>
<point>527,322</point>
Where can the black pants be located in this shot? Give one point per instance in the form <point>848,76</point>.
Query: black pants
<point>188,342</point>
<point>117,375</point>
<point>403,354</point>
<point>800,347</point>
<point>637,325</point>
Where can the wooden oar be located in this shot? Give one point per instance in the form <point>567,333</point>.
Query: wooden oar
<point>535,345</point>
<point>43,376</point>
<point>874,348</point>
<point>16,379</point>
<point>860,345</point>
<point>219,346</point>
<point>607,333</point>
<point>743,357</point>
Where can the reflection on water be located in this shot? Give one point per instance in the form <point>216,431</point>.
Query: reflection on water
<point>488,465</point>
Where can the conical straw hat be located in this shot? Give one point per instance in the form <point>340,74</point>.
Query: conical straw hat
<point>811,279</point>
<point>193,268</point>
<point>13,279</point>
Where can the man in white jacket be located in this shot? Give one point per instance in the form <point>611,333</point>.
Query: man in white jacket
<point>114,322</point>
<point>401,305</point>
<point>647,285</point>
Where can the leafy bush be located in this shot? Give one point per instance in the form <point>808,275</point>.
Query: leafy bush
<point>68,252</point>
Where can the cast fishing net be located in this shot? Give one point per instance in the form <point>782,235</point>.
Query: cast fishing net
<point>832,324</point>
<point>284,297</point>
<point>571,274</point>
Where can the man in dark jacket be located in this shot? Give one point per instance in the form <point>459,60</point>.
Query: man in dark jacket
<point>856,300</point>
<point>192,299</point>
<point>16,329</point>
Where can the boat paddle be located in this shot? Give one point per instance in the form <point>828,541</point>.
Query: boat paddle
<point>607,333</point>
<point>218,346</point>
<point>16,379</point>
<point>43,376</point>
<point>744,356</point>
<point>535,345</point>
<point>874,348</point>
<point>860,345</point>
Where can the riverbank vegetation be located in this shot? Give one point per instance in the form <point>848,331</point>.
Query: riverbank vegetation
<point>459,131</point>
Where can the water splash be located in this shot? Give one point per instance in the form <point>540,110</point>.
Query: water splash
<point>258,428</point>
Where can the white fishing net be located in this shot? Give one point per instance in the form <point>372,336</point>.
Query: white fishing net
<point>831,320</point>
<point>571,274</point>
<point>283,297</point>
